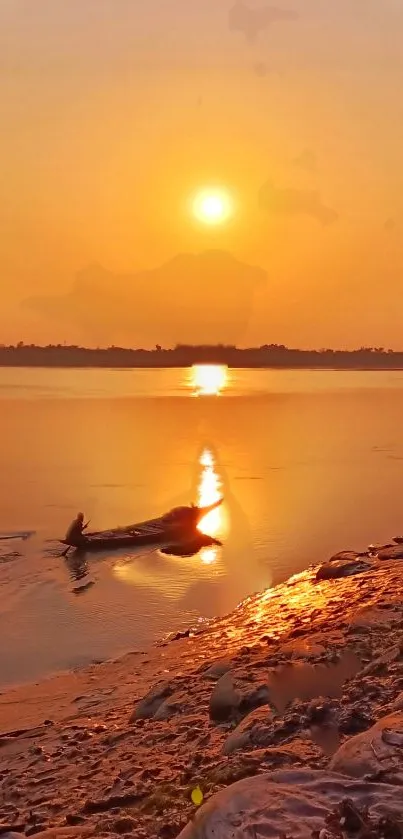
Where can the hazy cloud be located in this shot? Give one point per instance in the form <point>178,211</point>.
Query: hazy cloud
<point>360,8</point>
<point>253,21</point>
<point>193,298</point>
<point>260,69</point>
<point>295,202</point>
<point>307,160</point>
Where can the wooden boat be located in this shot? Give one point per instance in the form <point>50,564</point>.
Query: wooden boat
<point>178,525</point>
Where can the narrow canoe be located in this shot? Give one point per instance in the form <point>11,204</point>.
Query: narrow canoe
<point>180,524</point>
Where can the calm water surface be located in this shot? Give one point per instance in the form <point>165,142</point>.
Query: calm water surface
<point>309,462</point>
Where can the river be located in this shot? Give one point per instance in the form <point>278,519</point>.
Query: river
<point>309,463</point>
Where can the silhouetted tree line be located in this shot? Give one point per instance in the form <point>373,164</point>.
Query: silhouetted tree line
<point>183,355</point>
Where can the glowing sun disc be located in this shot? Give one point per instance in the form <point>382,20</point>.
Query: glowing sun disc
<point>212,206</point>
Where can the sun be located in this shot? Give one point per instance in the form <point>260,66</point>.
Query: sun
<point>212,206</point>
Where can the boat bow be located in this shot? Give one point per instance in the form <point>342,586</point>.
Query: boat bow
<point>204,511</point>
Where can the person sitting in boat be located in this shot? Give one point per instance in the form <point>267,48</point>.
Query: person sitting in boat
<point>75,533</point>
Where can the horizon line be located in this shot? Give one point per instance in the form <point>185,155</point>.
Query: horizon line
<point>190,348</point>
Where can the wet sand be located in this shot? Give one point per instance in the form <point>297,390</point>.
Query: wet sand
<point>283,682</point>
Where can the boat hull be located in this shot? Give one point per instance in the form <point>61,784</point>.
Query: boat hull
<point>114,543</point>
<point>159,531</point>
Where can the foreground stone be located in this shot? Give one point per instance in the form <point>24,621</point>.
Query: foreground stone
<point>397,705</point>
<point>224,700</point>
<point>286,803</point>
<point>252,732</point>
<point>378,750</point>
<point>216,670</point>
<point>147,707</point>
<point>391,553</point>
<point>336,569</point>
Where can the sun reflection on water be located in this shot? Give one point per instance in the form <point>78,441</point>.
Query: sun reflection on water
<point>208,379</point>
<point>210,490</point>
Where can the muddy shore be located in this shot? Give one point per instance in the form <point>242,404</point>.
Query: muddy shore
<point>306,676</point>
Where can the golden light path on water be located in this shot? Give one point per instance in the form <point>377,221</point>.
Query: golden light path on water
<point>204,380</point>
<point>209,379</point>
<point>209,491</point>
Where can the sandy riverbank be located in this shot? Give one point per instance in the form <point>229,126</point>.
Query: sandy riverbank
<point>117,748</point>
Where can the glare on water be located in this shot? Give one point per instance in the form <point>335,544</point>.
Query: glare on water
<point>209,491</point>
<point>209,379</point>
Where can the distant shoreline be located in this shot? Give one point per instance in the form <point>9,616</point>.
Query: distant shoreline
<point>269,357</point>
<point>312,368</point>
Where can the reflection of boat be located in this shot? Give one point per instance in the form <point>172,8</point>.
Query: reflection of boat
<point>180,524</point>
<point>191,546</point>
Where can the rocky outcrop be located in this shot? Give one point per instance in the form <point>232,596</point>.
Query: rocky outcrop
<point>252,732</point>
<point>285,803</point>
<point>391,553</point>
<point>397,705</point>
<point>337,568</point>
<point>376,751</point>
<point>349,563</point>
<point>149,705</point>
<point>216,670</point>
<point>347,556</point>
<point>224,700</point>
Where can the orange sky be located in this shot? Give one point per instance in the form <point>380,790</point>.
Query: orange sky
<point>115,111</point>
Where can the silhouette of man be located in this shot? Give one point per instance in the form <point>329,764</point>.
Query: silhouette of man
<point>75,533</point>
